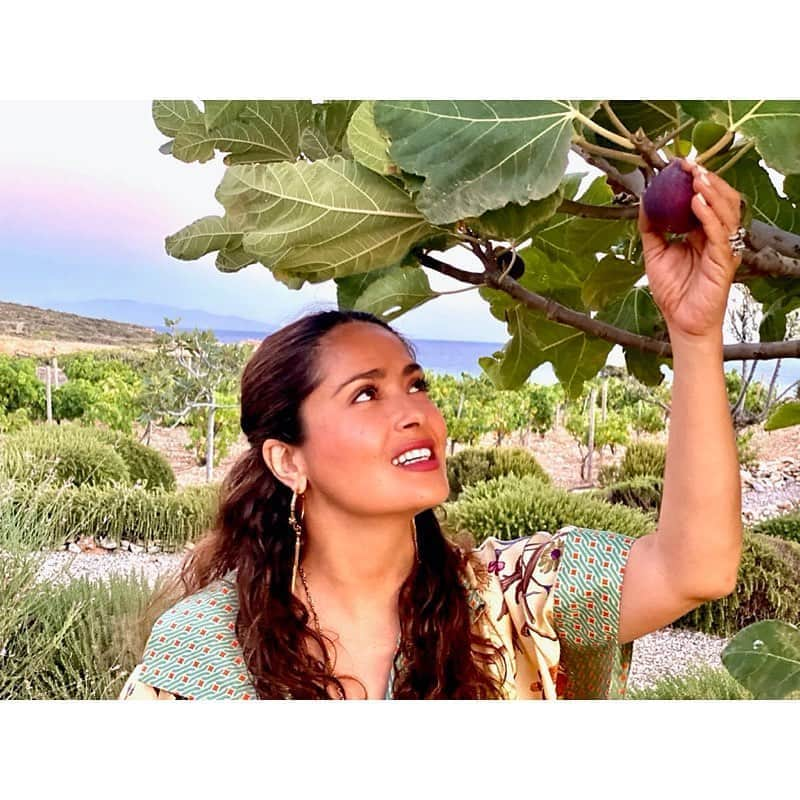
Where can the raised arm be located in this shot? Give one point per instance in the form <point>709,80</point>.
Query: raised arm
<point>694,554</point>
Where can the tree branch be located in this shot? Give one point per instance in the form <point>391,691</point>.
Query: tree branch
<point>629,158</point>
<point>769,262</point>
<point>762,235</point>
<point>630,182</point>
<point>602,330</point>
<point>447,269</point>
<point>598,212</point>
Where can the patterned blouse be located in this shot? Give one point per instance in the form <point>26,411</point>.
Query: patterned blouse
<point>550,601</point>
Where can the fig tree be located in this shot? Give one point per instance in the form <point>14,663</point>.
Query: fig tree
<point>668,200</point>
<point>518,268</point>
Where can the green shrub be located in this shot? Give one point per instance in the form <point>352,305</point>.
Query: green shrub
<point>64,453</point>
<point>747,454</point>
<point>147,467</point>
<point>145,516</point>
<point>786,526</point>
<point>644,491</point>
<point>767,587</point>
<point>56,642</point>
<point>77,641</point>
<point>509,506</point>
<point>13,421</point>
<point>474,464</point>
<point>701,682</point>
<point>641,458</point>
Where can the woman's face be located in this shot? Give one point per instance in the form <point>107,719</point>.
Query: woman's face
<point>356,426</point>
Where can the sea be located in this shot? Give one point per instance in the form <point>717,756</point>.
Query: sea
<point>455,357</point>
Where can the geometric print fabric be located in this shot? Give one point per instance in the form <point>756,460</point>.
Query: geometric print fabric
<point>193,652</point>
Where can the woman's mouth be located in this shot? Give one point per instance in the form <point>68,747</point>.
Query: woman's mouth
<point>421,460</point>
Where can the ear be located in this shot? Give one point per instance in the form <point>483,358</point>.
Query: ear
<point>285,463</point>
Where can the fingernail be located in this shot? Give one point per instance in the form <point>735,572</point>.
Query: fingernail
<point>704,178</point>
<point>702,199</point>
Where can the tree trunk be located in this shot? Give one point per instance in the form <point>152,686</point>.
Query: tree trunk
<point>210,441</point>
<point>604,399</point>
<point>48,393</point>
<point>592,403</point>
<point>768,401</point>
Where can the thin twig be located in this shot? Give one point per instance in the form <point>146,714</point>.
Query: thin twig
<point>629,158</point>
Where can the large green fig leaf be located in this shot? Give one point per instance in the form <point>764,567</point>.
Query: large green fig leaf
<point>367,144</point>
<point>774,126</point>
<point>575,356</point>
<point>791,187</point>
<point>784,416</point>
<point>202,236</point>
<point>480,155</point>
<point>654,117</point>
<point>250,131</point>
<point>325,136</point>
<point>232,259</point>
<point>395,293</point>
<point>218,112</point>
<point>765,658</point>
<point>779,296</point>
<point>171,115</point>
<point>510,367</point>
<point>637,312</point>
<point>612,278</point>
<point>749,178</point>
<point>321,220</point>
<point>586,235</point>
<point>571,239</point>
<point>513,222</point>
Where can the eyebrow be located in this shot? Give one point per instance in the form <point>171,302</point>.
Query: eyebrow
<point>378,373</point>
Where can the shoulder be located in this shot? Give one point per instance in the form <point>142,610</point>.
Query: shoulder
<point>193,650</point>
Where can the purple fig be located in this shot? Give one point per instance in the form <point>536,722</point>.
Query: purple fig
<point>668,200</point>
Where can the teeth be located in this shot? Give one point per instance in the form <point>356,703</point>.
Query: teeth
<point>412,455</point>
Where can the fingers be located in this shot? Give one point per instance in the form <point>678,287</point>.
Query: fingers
<point>719,194</point>
<point>716,205</point>
<point>653,242</point>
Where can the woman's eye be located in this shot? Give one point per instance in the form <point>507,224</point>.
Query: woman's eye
<point>364,391</point>
<point>421,383</point>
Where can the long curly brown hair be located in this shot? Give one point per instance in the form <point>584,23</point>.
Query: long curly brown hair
<point>443,656</point>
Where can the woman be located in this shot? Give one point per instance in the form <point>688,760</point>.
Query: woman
<point>327,574</point>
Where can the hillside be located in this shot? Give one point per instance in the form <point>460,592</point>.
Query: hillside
<point>28,330</point>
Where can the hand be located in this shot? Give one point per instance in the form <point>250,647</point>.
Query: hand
<point>690,280</point>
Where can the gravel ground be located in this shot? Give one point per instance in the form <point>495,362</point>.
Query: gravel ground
<point>666,651</point>
<point>671,651</point>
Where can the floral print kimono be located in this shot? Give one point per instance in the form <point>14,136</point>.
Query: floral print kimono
<point>550,601</point>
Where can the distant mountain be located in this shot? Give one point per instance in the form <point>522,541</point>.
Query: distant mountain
<point>28,323</point>
<point>152,314</point>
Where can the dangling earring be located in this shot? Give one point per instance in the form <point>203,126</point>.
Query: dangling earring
<point>298,532</point>
<point>416,544</point>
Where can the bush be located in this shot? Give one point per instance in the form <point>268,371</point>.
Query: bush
<point>61,643</point>
<point>146,466</point>
<point>170,519</point>
<point>509,506</point>
<point>64,453</point>
<point>475,464</point>
<point>767,587</point>
<point>13,421</point>
<point>643,492</point>
<point>786,526</point>
<point>701,682</point>
<point>748,456</point>
<point>78,641</point>
<point>641,458</point>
